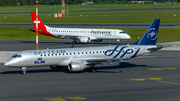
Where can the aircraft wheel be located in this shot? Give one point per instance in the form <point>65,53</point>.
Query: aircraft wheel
<point>74,42</point>
<point>93,70</point>
<point>24,72</point>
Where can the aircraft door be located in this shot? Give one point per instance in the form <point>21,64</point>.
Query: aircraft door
<point>114,33</point>
<point>31,59</point>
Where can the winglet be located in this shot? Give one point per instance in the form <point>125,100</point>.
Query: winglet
<point>150,36</point>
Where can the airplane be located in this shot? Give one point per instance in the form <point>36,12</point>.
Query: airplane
<point>78,59</point>
<point>81,35</point>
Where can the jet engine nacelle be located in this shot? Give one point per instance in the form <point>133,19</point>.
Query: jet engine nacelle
<point>76,66</point>
<point>98,40</point>
<point>84,39</point>
<point>56,67</point>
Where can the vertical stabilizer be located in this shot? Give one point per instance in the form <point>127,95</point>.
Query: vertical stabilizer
<point>41,27</point>
<point>150,36</point>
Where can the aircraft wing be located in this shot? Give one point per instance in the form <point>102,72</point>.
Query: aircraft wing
<point>67,36</point>
<point>103,60</point>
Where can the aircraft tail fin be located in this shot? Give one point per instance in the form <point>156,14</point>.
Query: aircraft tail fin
<point>41,26</point>
<point>150,36</point>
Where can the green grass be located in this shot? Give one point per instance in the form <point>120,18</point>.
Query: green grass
<point>165,34</point>
<point>166,16</point>
<point>128,16</point>
<point>82,7</point>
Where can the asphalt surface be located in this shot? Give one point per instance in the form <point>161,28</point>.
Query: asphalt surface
<point>151,77</point>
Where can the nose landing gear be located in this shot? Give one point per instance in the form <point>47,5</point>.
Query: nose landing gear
<point>23,70</point>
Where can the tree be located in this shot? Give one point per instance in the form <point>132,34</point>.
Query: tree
<point>162,1</point>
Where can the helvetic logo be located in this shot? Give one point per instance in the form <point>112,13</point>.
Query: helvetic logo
<point>152,34</point>
<point>39,61</point>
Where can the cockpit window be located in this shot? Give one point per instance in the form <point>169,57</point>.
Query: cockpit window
<point>16,56</point>
<point>122,32</point>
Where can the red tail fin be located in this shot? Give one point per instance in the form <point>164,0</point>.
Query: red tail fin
<point>41,26</point>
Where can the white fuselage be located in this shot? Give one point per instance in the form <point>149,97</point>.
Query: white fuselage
<point>93,34</point>
<point>64,56</point>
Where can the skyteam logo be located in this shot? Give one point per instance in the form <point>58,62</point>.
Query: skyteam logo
<point>122,52</point>
<point>39,61</point>
<point>152,34</point>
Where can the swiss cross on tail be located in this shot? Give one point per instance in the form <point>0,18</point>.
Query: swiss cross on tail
<point>36,22</point>
<point>43,29</point>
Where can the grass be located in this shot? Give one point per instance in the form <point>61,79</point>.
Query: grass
<point>165,34</point>
<point>83,7</point>
<point>127,16</point>
<point>166,16</point>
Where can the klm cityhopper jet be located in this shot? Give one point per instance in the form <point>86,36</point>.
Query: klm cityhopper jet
<point>82,35</point>
<point>78,59</point>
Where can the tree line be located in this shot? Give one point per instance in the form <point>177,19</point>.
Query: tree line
<point>58,2</point>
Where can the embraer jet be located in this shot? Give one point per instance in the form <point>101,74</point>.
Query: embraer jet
<point>78,59</point>
<point>82,35</point>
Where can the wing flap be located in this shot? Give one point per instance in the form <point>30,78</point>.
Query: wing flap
<point>101,60</point>
<point>67,36</point>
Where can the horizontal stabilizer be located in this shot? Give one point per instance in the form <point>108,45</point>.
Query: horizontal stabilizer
<point>34,30</point>
<point>155,48</point>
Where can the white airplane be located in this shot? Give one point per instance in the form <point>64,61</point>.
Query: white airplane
<point>78,59</point>
<point>82,35</point>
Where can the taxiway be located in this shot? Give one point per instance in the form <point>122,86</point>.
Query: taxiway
<point>151,77</point>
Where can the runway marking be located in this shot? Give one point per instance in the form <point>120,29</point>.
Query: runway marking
<point>61,99</point>
<point>170,82</point>
<point>141,79</point>
<point>155,79</point>
<point>76,98</point>
<point>161,68</point>
<point>55,99</point>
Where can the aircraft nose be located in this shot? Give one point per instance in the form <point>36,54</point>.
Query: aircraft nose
<point>6,63</point>
<point>127,36</point>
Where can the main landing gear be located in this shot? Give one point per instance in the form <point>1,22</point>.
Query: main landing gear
<point>93,69</point>
<point>118,41</point>
<point>23,70</point>
<point>74,42</point>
